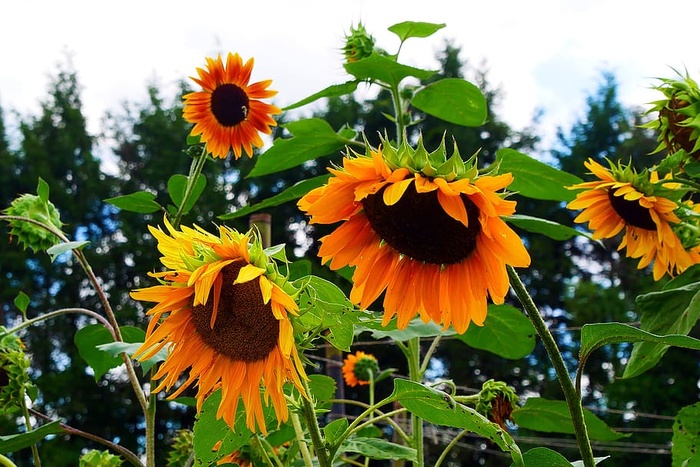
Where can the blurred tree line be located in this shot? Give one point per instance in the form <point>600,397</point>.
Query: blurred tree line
<point>573,282</point>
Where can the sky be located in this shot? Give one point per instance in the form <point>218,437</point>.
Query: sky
<point>543,54</point>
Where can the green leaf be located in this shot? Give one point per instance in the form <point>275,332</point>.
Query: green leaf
<point>130,348</point>
<point>322,387</point>
<point>57,250</point>
<point>324,306</point>
<point>377,67</point>
<point>543,457</point>
<point>334,430</point>
<point>506,332</point>
<point>594,336</point>
<point>438,407</point>
<point>377,448</point>
<point>209,430</point>
<point>409,29</point>
<point>416,328</point>
<point>22,302</point>
<point>685,445</point>
<point>334,90</point>
<point>14,443</point>
<point>552,416</point>
<point>91,336</point>
<point>669,311</point>
<point>141,201</point>
<point>535,179</point>
<point>296,191</point>
<point>42,189</point>
<point>546,227</point>
<point>453,100</point>
<point>312,138</point>
<point>177,184</point>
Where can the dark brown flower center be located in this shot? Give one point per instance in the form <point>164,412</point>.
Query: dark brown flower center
<point>229,104</point>
<point>631,212</point>
<point>418,227</point>
<point>245,328</point>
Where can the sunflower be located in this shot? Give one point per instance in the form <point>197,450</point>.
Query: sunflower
<point>222,313</point>
<point>422,227</point>
<point>227,113</point>
<point>622,200</point>
<point>359,368</point>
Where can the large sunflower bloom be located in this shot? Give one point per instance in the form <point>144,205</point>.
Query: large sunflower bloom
<point>617,202</point>
<point>222,313</point>
<point>432,238</point>
<point>227,113</point>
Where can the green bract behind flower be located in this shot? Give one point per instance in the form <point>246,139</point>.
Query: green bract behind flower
<point>497,401</point>
<point>679,116</point>
<point>14,380</point>
<point>39,208</point>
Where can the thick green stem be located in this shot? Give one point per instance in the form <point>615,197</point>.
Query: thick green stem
<point>151,430</point>
<point>415,374</point>
<point>398,113</point>
<point>195,171</point>
<point>322,455</point>
<point>429,354</point>
<point>572,398</point>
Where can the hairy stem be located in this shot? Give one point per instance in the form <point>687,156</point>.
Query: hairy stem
<point>572,398</point>
<point>415,374</point>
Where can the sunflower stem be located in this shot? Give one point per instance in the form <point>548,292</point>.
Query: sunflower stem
<point>415,374</point>
<point>5,462</point>
<point>151,431</point>
<point>303,448</point>
<point>314,430</point>
<point>195,171</point>
<point>572,398</point>
<point>28,424</point>
<point>429,354</point>
<point>449,447</point>
<point>398,113</point>
<point>62,311</point>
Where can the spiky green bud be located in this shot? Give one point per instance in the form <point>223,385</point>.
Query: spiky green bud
<point>359,44</point>
<point>181,448</point>
<point>497,401</point>
<point>14,380</point>
<point>97,458</point>
<point>39,208</point>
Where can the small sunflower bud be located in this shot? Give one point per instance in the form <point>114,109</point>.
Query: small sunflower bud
<point>14,380</point>
<point>359,44</point>
<point>97,458</point>
<point>497,401</point>
<point>181,448</point>
<point>39,208</point>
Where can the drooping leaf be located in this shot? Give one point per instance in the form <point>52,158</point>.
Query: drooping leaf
<point>506,332</point>
<point>686,436</point>
<point>141,201</point>
<point>22,302</point>
<point>14,443</point>
<point>409,29</point>
<point>130,348</point>
<point>91,336</point>
<point>311,138</point>
<point>453,100</point>
<point>209,431</point>
<point>334,90</point>
<point>553,416</point>
<point>416,328</point>
<point>377,67</point>
<point>535,179</point>
<point>57,250</point>
<point>377,448</point>
<point>438,407</point>
<point>177,184</point>
<point>296,191</point>
<point>546,227</point>
<point>672,310</point>
<point>596,335</point>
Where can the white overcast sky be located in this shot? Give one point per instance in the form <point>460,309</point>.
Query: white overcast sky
<point>543,54</point>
